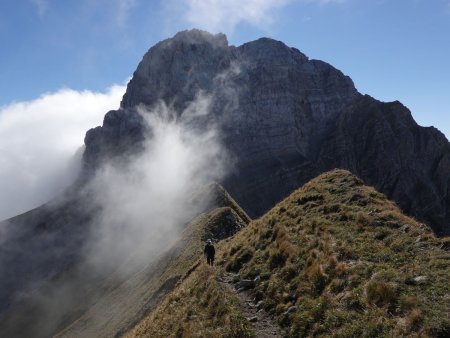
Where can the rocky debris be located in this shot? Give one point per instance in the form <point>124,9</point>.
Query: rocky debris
<point>263,323</point>
<point>285,119</point>
<point>293,297</point>
<point>253,319</point>
<point>291,309</point>
<point>420,279</point>
<point>245,284</point>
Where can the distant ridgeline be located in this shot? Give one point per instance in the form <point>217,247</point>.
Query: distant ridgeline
<point>285,119</point>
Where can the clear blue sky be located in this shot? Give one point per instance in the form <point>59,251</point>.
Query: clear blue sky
<point>392,49</point>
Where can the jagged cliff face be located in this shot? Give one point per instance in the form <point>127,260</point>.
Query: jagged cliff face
<point>285,119</point>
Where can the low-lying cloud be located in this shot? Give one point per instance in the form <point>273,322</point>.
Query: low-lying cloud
<point>141,205</point>
<point>145,202</point>
<point>41,144</point>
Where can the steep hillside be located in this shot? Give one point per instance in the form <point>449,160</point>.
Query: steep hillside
<point>198,307</point>
<point>103,305</point>
<point>30,241</point>
<point>335,258</point>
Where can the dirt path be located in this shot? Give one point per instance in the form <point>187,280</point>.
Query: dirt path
<point>264,325</point>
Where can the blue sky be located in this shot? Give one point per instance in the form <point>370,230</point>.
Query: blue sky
<point>65,63</point>
<point>397,49</point>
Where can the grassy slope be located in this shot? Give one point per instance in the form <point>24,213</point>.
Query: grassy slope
<point>140,293</point>
<point>346,257</point>
<point>198,307</point>
<point>339,255</point>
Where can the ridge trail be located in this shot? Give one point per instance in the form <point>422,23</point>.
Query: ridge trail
<point>264,326</point>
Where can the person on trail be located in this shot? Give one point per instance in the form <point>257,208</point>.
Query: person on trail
<point>209,252</point>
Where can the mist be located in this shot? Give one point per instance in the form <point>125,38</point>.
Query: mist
<point>42,143</point>
<point>142,204</point>
<point>145,201</point>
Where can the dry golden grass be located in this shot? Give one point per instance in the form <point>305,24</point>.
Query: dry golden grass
<point>198,307</point>
<point>347,257</point>
<point>335,259</point>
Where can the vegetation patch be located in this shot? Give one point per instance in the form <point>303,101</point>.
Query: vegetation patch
<point>338,259</point>
<point>199,307</point>
<point>334,259</point>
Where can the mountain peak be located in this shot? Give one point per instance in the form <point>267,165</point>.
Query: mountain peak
<point>288,117</point>
<point>196,36</point>
<point>271,50</point>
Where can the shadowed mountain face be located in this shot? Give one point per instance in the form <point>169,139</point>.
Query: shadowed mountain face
<point>285,119</point>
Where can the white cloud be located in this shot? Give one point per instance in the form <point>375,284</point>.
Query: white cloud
<point>123,8</point>
<point>41,6</point>
<point>144,202</point>
<point>39,141</point>
<point>225,15</point>
<point>326,2</point>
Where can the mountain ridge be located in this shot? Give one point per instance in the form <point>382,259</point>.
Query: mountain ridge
<point>335,258</point>
<point>284,116</point>
<point>75,302</point>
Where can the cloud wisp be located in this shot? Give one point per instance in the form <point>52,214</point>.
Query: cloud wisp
<point>41,6</point>
<point>41,144</point>
<point>225,15</point>
<point>145,202</point>
<point>123,9</point>
<point>142,206</point>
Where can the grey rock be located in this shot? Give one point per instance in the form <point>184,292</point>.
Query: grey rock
<point>285,119</point>
<point>246,284</point>
<point>420,279</point>
<point>292,309</point>
<point>293,297</point>
<point>253,319</point>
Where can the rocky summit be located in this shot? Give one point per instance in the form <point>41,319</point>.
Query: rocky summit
<point>284,119</point>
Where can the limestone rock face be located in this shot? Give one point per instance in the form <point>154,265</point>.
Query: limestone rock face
<point>285,119</point>
<point>383,144</point>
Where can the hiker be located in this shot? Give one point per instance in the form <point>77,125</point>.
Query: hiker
<point>209,252</point>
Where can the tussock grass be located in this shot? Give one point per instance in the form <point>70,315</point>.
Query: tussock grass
<point>334,259</point>
<point>345,260</point>
<point>198,307</point>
